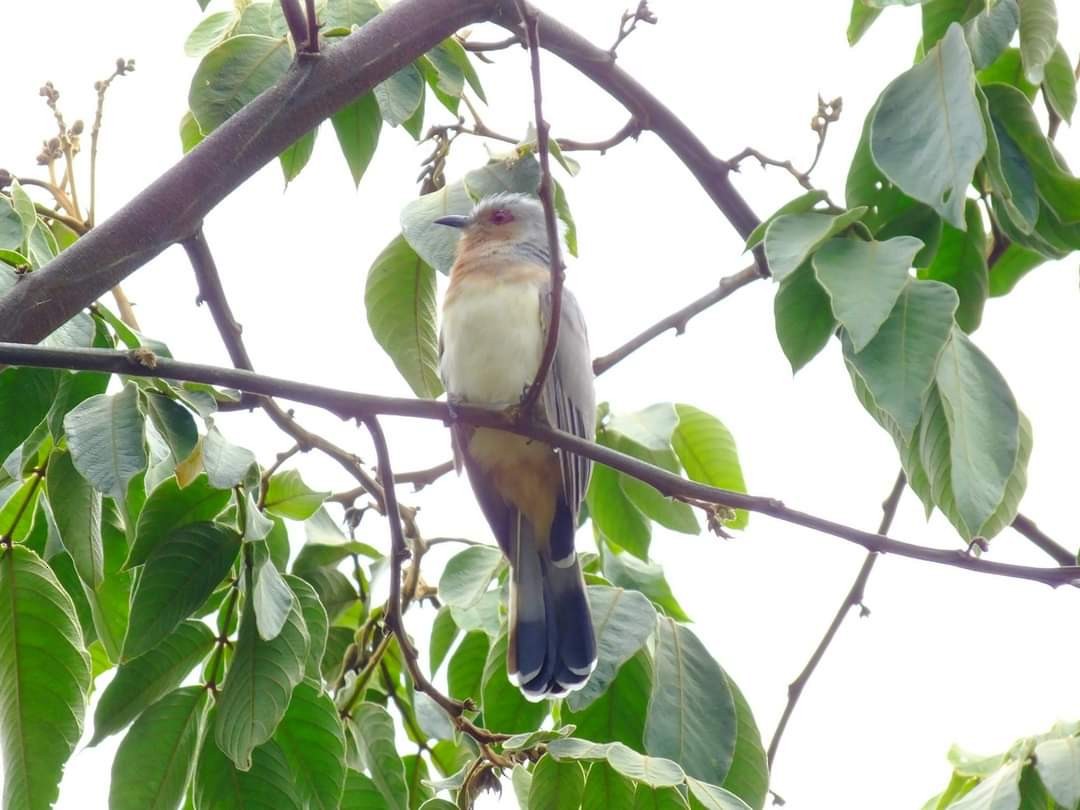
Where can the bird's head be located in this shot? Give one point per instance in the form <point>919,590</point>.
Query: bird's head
<point>509,221</point>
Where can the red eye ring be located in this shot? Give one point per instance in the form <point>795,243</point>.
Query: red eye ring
<point>500,216</point>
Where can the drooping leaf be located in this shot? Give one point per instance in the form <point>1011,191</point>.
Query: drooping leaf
<point>863,280</point>
<point>225,463</point>
<point>400,301</point>
<point>990,32</point>
<point>804,318</point>
<point>1011,266</point>
<point>927,133</point>
<point>313,741</point>
<point>691,717</point>
<point>556,785</point>
<point>606,788</point>
<point>105,436</point>
<point>1058,764</point>
<point>465,672</point>
<point>468,575</point>
<point>614,515</point>
<point>707,451</point>
<point>157,757</point>
<point>622,620</point>
<point>748,777</point>
<point>1038,36</point>
<point>361,794</point>
<point>316,622</point>
<point>267,785</point>
<point>233,74</point>
<point>503,704</point>
<point>175,424</point>
<point>898,365</point>
<point>169,507</point>
<point>862,17</point>
<point>76,507</point>
<point>663,798</point>
<point>145,680</point>
<point>179,574</point>
<point>273,600</point>
<point>961,263</point>
<point>444,631</point>
<point>44,678</point>
<point>627,571</point>
<point>372,741</point>
<point>210,32</point>
<point>296,156</point>
<point>1060,83</point>
<point>357,127</point>
<point>26,394</point>
<point>259,684</point>
<point>618,715</point>
<point>400,95</point>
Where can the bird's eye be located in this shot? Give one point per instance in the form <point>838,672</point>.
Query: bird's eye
<point>500,216</point>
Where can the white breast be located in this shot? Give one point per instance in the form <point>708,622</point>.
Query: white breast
<point>492,342</point>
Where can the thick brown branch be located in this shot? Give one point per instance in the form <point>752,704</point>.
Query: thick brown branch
<point>1041,540</point>
<point>854,598</point>
<point>678,320</point>
<point>349,405</point>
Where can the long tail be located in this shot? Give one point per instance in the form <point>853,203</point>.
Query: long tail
<point>552,646</point>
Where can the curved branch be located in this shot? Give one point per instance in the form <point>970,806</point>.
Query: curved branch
<point>349,405</point>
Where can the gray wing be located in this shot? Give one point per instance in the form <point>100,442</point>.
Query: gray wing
<point>568,396</point>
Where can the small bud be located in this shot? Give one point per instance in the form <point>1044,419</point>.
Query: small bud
<point>5,178</point>
<point>120,65</point>
<point>99,85</point>
<point>54,143</point>
<point>77,127</point>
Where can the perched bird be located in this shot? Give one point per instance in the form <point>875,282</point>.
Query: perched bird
<point>492,338</point>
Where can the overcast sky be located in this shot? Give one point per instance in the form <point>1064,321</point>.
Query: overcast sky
<point>947,656</point>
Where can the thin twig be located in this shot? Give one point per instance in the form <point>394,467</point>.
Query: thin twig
<point>123,66</point>
<point>48,213</point>
<point>1057,552</point>
<point>678,320</point>
<point>629,23</point>
<point>631,129</point>
<point>422,478</point>
<point>297,23</point>
<point>350,405</point>
<point>487,47</point>
<point>312,28</point>
<point>58,194</point>
<point>854,597</point>
<point>530,19</point>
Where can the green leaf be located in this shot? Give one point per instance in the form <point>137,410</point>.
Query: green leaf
<point>1060,84</point>
<point>226,464</point>
<point>105,436</point>
<point>898,365</point>
<point>749,775</point>
<point>26,394</point>
<point>1010,177</point>
<point>288,496</point>
<point>190,134</point>
<point>623,621</point>
<point>614,514</point>
<point>691,717</point>
<point>468,574</point>
<point>169,507</point>
<point>175,424</point>
<point>435,244</point>
<point>357,128</point>
<point>211,31</point>
<point>1058,765</point>
<point>267,785</point>
<point>361,794</point>
<point>335,591</point>
<point>157,757</point>
<point>444,631</point>
<point>863,280</point>
<point>296,157</point>
<point>618,715</point>
<point>465,672</point>
<point>273,600</point>
<point>504,707</point>
<point>110,608</point>
<point>990,32</point>
<point>938,15</point>
<point>76,507</point>
<point>606,788</point>
<point>311,737</point>
<point>791,239</point>
<point>518,174</point>
<point>179,574</point>
<point>259,683</point>
<point>1011,266</point>
<point>961,263</point>
<point>927,134</point>
<point>521,781</point>
<point>316,622</point>
<point>315,555</point>
<point>804,318</point>
<point>668,512</point>
<point>145,680</point>
<point>401,309</point>
<point>449,75</point>
<point>652,771</point>
<point>44,678</point>
<point>1038,36</point>
<point>977,403</point>
<point>400,95</point>
<point>862,17</point>
<point>801,204</point>
<point>707,451</point>
<point>999,791</point>
<point>627,571</point>
<point>417,778</point>
<point>666,798</point>
<point>233,74</point>
<point>11,238</point>
<point>1011,110</point>
<point>347,13</point>
<point>556,785</point>
<point>372,736</point>
<point>704,796</point>
<point>1007,69</point>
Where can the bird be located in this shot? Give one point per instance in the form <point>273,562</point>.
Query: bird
<point>492,337</point>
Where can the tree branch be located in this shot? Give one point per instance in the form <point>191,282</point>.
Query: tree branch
<point>678,320</point>
<point>1057,552</point>
<point>854,597</point>
<point>349,405</point>
<point>530,20</point>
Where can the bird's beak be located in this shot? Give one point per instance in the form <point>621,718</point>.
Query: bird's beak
<point>454,221</point>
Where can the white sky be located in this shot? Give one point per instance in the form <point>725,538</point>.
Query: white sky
<point>947,656</point>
